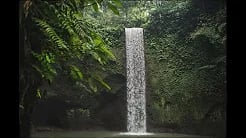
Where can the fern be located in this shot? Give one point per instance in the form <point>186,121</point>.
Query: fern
<point>51,34</point>
<point>45,68</point>
<point>74,39</point>
<point>75,73</point>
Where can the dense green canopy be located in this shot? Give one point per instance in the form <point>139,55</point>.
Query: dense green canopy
<point>72,53</point>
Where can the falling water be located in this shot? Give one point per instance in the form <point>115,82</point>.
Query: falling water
<point>135,64</point>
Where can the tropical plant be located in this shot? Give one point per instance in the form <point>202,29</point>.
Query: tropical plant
<point>56,38</point>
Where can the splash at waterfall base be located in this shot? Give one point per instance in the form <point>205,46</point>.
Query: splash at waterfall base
<point>136,133</point>
<point>108,134</point>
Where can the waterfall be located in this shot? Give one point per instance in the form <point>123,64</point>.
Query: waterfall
<point>135,65</point>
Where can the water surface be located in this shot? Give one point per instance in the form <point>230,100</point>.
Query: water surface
<point>109,134</point>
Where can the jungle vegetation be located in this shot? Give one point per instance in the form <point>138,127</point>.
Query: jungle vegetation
<point>72,64</point>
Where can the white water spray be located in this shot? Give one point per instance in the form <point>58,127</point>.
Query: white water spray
<point>135,64</point>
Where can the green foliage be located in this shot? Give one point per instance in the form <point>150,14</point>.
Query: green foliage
<point>118,3</point>
<point>92,84</point>
<point>51,34</point>
<point>96,6</point>
<point>46,68</point>
<point>185,58</point>
<point>99,79</point>
<point>57,39</point>
<point>38,93</point>
<point>185,55</point>
<point>186,63</point>
<point>113,8</point>
<point>81,43</point>
<point>75,73</point>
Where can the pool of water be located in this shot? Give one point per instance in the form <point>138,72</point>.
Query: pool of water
<point>109,134</point>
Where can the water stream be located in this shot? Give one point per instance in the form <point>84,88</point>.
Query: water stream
<point>135,66</point>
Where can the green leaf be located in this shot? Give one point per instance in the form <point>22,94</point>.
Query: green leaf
<point>38,94</point>
<point>97,42</point>
<point>118,3</point>
<point>97,57</point>
<point>51,34</point>
<point>47,58</point>
<point>109,53</point>
<point>75,73</point>
<point>113,8</point>
<point>96,6</point>
<point>207,67</point>
<point>80,75</point>
<point>99,79</point>
<point>92,85</point>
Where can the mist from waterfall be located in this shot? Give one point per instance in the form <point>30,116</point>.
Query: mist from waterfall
<point>135,65</point>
